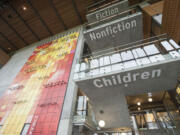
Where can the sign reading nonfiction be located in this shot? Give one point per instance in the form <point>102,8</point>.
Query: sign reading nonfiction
<point>108,11</point>
<point>111,30</point>
<point>121,31</point>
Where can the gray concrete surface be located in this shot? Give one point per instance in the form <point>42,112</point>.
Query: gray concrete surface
<point>65,126</point>
<point>9,71</point>
<point>115,33</point>
<point>14,65</point>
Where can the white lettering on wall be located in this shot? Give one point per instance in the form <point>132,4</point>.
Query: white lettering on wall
<point>97,83</point>
<point>111,30</point>
<point>106,13</point>
<point>126,79</point>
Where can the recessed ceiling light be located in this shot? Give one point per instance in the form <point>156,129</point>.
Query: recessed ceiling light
<point>138,103</point>
<point>9,48</point>
<point>24,8</point>
<point>150,99</point>
<point>139,108</point>
<point>101,123</point>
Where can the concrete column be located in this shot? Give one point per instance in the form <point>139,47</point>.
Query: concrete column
<point>65,125</point>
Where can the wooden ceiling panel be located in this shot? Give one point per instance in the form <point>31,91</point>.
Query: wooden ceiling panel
<point>10,34</point>
<point>48,15</point>
<point>41,19</point>
<point>37,26</point>
<point>81,5</point>
<point>20,27</point>
<point>12,24</point>
<point>32,20</point>
<point>6,46</point>
<point>67,12</point>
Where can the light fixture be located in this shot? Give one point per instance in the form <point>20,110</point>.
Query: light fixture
<point>150,99</point>
<point>9,48</point>
<point>24,8</point>
<point>149,94</point>
<point>139,108</point>
<point>101,123</point>
<point>138,103</point>
<point>86,60</point>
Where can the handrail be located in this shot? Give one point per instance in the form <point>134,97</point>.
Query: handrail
<point>158,38</point>
<point>99,2</point>
<point>106,5</point>
<point>110,17</point>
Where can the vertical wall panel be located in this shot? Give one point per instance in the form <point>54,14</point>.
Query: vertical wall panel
<point>36,95</point>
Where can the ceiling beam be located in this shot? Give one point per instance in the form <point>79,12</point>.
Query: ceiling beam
<point>40,18</point>
<point>20,17</point>
<point>14,30</point>
<point>3,49</point>
<point>77,12</point>
<point>57,14</point>
<point>9,41</point>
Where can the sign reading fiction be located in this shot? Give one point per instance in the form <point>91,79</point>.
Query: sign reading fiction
<point>108,11</point>
<point>121,31</point>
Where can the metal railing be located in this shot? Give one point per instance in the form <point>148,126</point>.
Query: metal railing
<point>128,46</point>
<point>125,13</point>
<point>156,41</point>
<point>99,5</point>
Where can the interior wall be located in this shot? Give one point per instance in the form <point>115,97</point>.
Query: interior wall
<point>9,71</point>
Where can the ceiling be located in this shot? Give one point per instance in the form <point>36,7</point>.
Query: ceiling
<point>158,98</point>
<point>23,22</point>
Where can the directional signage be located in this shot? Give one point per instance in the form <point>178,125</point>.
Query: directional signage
<point>108,11</point>
<point>121,31</point>
<point>107,79</point>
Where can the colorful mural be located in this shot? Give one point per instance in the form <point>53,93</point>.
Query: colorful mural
<point>37,93</point>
